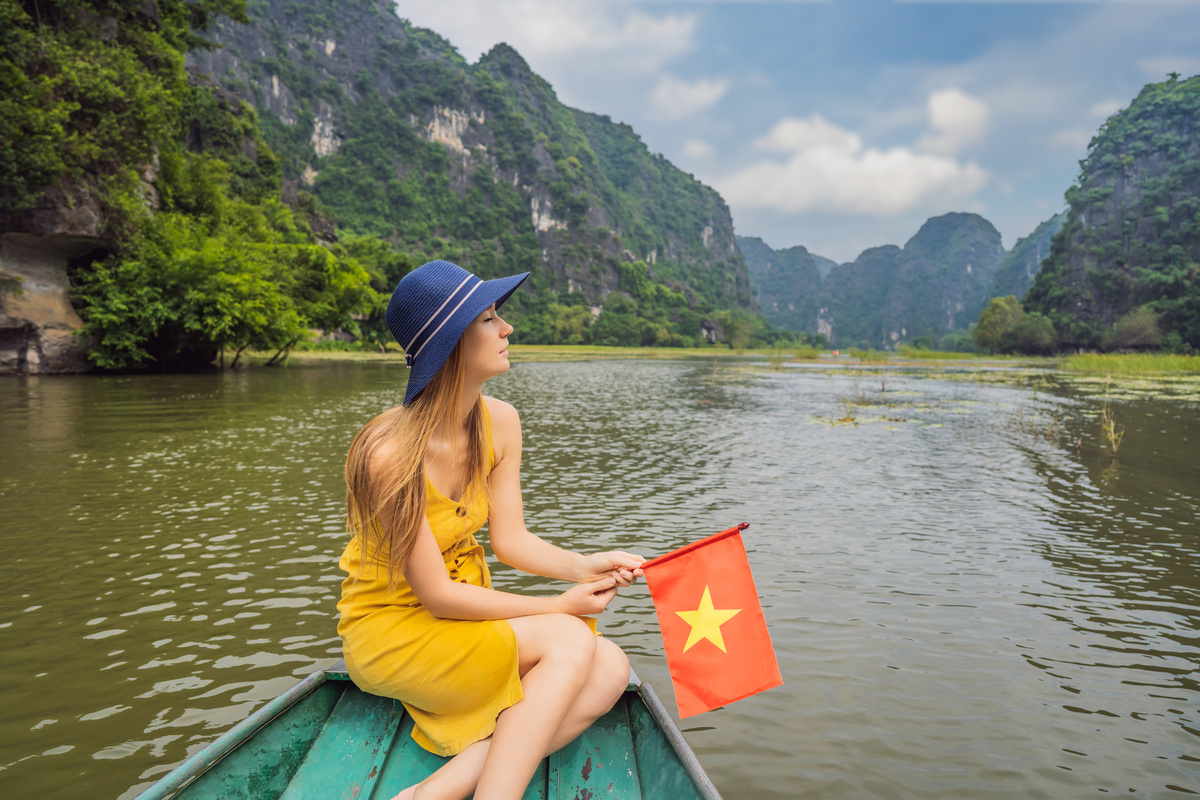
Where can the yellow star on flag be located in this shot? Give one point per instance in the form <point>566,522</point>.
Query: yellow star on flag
<point>706,622</point>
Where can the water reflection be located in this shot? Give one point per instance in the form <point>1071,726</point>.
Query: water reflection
<point>966,599</point>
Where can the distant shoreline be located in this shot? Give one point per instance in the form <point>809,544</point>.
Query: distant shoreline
<point>1118,365</point>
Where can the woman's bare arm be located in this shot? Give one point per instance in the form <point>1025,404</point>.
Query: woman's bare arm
<point>449,599</point>
<point>511,541</point>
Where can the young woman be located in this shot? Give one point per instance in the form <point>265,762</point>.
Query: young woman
<point>494,679</point>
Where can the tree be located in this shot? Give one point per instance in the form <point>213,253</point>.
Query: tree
<point>1034,335</point>
<point>995,330</point>
<point>1137,330</point>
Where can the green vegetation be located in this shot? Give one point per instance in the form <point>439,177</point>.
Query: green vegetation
<point>1127,364</point>
<point>602,195</point>
<point>241,276</point>
<point>1005,327</point>
<point>202,257</point>
<point>869,356</point>
<point>787,283</point>
<point>1016,272</point>
<point>96,100</point>
<point>90,90</point>
<point>933,355</point>
<point>888,295</point>
<point>1131,245</point>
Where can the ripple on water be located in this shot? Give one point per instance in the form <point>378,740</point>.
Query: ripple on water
<point>963,605</point>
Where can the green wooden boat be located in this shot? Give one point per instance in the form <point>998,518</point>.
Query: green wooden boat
<point>324,739</point>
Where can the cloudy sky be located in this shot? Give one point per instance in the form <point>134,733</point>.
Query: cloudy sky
<point>845,125</point>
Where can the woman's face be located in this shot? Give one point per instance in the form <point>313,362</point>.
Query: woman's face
<point>485,344</point>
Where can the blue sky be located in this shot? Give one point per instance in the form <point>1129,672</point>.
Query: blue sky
<point>845,125</point>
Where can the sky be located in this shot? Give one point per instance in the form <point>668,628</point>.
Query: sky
<point>845,125</point>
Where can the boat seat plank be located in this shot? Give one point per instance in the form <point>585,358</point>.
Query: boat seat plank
<point>406,764</point>
<point>345,761</point>
<point>600,763</point>
<point>662,773</point>
<point>409,763</point>
<point>262,766</point>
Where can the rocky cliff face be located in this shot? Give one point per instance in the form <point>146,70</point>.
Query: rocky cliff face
<point>937,282</point>
<point>787,283</point>
<point>37,321</point>
<point>1131,238</point>
<point>1021,264</point>
<point>943,277</point>
<point>397,135</point>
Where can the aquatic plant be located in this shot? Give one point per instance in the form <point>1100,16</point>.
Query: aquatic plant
<point>1108,426</point>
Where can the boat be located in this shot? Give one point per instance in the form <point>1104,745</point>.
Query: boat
<point>325,739</point>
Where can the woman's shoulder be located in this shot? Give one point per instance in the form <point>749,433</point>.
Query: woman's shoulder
<point>502,413</point>
<point>506,423</point>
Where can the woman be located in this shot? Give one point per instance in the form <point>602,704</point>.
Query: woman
<point>495,679</point>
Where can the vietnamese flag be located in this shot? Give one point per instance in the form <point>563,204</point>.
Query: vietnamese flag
<point>713,629</point>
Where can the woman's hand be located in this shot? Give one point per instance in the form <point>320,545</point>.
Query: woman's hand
<point>623,567</point>
<point>588,598</point>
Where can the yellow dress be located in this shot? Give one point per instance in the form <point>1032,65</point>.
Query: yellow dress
<point>453,676</point>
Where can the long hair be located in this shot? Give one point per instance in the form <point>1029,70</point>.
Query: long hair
<point>385,470</point>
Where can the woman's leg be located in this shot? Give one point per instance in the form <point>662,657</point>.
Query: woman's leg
<point>549,648</point>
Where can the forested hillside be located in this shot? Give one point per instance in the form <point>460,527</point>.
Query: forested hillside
<point>787,283</point>
<point>1125,269</point>
<point>158,195</point>
<point>1021,264</point>
<point>392,132</point>
<point>216,176</point>
<point>936,284</point>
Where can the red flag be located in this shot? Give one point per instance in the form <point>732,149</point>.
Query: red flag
<point>713,629</point>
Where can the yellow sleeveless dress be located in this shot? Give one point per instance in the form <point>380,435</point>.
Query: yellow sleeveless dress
<point>453,676</point>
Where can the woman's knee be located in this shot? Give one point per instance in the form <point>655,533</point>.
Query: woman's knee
<point>609,677</point>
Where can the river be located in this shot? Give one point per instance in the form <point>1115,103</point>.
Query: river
<point>968,596</point>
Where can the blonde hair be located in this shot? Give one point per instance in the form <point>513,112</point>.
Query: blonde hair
<point>385,469</point>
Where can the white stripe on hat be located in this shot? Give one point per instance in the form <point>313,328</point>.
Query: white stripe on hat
<point>449,317</point>
<point>434,316</point>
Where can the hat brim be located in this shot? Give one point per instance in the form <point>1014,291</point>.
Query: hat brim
<point>438,349</point>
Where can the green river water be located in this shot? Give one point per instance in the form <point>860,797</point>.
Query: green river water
<point>968,597</point>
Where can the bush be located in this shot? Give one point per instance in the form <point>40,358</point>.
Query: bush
<point>957,342</point>
<point>1137,330</point>
<point>1034,335</point>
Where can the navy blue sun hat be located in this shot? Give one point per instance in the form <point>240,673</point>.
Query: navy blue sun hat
<point>431,307</point>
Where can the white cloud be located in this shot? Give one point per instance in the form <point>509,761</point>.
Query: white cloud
<point>545,31</point>
<point>957,120</point>
<point>676,99</point>
<point>698,149</point>
<point>1106,108</point>
<point>827,168</point>
<point>791,135</point>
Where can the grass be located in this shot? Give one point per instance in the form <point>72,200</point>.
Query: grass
<point>870,356</point>
<point>1130,363</point>
<point>934,355</point>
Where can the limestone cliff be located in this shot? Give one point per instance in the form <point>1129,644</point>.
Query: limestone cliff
<point>1132,236</point>
<point>938,282</point>
<point>37,320</point>
<point>398,136</point>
